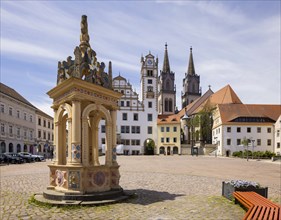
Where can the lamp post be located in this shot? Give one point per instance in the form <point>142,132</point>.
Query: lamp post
<point>187,118</point>
<point>253,142</point>
<point>216,146</point>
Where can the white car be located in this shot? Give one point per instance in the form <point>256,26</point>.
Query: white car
<point>36,157</point>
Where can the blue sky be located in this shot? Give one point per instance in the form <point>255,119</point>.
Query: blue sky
<point>234,42</point>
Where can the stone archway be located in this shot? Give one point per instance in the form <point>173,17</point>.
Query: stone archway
<point>91,117</point>
<point>162,150</point>
<point>175,150</point>
<point>149,146</point>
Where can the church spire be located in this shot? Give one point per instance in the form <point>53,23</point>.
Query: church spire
<point>191,69</point>
<point>166,65</point>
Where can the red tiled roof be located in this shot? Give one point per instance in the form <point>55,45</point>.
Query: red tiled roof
<point>229,112</point>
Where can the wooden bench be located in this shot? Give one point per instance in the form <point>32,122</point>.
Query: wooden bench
<point>258,206</point>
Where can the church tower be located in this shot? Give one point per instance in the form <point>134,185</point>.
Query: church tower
<point>166,88</point>
<point>191,84</point>
<point>149,78</point>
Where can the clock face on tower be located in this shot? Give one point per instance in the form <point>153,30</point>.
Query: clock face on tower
<point>149,62</point>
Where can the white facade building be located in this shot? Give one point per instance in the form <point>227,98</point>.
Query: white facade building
<point>17,122</point>
<point>136,119</point>
<point>235,122</point>
<point>44,133</point>
<point>277,134</point>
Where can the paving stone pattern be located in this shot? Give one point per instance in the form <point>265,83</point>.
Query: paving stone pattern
<point>166,187</point>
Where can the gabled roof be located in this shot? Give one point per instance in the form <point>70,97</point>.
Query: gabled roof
<point>226,95</point>
<point>192,107</point>
<point>14,94</point>
<point>119,78</point>
<point>229,112</point>
<point>168,119</point>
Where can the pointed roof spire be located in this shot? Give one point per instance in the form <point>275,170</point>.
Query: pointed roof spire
<point>191,69</point>
<point>166,65</point>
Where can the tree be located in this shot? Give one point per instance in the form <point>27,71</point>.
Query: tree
<point>206,123</point>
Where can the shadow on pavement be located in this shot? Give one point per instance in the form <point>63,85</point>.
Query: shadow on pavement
<point>146,197</point>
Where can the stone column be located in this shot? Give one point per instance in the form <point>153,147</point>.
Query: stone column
<point>76,133</point>
<point>108,141</point>
<point>113,114</point>
<point>69,158</point>
<point>56,144</point>
<point>95,143</point>
<point>85,141</point>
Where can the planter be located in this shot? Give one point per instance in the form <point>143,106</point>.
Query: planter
<point>228,189</point>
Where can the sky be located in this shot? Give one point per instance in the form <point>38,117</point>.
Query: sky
<point>234,42</point>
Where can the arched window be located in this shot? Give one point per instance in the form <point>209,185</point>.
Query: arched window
<point>167,85</point>
<point>170,105</point>
<point>3,147</point>
<point>166,105</point>
<point>18,148</point>
<point>11,147</point>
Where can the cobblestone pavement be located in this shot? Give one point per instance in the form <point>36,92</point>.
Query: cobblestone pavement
<point>167,187</point>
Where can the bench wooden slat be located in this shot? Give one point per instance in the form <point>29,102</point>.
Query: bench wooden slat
<point>259,208</point>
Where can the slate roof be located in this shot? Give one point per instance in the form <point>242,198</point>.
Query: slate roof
<point>14,94</point>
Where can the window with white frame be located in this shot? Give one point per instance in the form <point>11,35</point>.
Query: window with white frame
<point>2,128</point>
<point>228,141</point>
<point>149,130</point>
<point>11,111</point>
<point>124,116</point>
<point>2,108</point>
<point>268,142</point>
<point>18,132</point>
<point>11,130</point>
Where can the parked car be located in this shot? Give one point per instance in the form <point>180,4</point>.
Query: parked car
<point>2,158</point>
<point>36,157</point>
<point>13,158</point>
<point>26,158</point>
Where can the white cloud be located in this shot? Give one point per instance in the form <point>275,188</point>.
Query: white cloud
<point>17,48</point>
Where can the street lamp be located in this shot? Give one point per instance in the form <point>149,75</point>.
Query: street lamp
<point>216,146</point>
<point>253,142</point>
<point>187,118</point>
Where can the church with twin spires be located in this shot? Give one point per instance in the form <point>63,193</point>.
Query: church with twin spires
<point>140,120</point>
